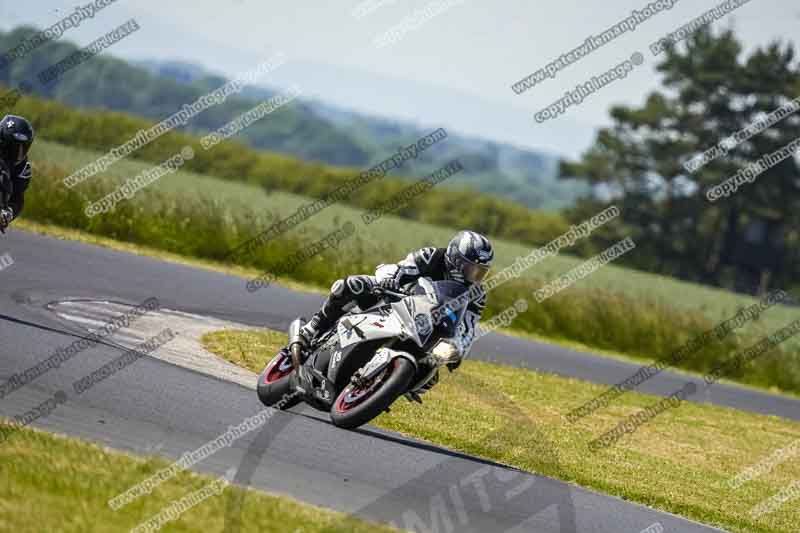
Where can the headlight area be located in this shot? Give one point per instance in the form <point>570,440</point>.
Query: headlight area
<point>445,352</point>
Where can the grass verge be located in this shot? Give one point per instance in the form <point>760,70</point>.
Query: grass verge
<point>55,483</point>
<point>681,462</point>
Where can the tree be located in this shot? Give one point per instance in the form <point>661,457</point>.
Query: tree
<point>645,159</point>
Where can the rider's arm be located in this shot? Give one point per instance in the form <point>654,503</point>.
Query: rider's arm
<point>409,269</point>
<point>17,200</point>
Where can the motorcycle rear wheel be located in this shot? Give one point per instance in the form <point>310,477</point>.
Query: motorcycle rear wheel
<point>274,383</point>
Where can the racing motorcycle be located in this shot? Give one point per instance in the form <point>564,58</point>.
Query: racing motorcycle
<point>369,358</point>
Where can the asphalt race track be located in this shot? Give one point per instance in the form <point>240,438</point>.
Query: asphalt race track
<point>156,407</point>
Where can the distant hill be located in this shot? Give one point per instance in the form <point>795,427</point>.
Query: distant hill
<point>308,129</point>
<point>526,176</point>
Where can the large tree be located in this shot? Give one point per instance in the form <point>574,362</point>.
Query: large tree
<point>710,91</point>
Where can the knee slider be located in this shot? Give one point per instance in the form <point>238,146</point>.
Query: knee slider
<point>355,285</point>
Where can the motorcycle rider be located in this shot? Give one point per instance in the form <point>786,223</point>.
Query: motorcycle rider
<point>466,259</point>
<point>16,138</point>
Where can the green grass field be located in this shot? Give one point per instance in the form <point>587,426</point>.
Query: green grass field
<point>398,236</point>
<point>55,483</point>
<point>680,462</point>
<point>614,309</point>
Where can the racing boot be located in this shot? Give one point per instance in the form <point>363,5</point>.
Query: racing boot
<point>312,328</point>
<point>320,322</point>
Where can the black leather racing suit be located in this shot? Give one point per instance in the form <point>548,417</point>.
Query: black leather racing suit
<point>15,183</point>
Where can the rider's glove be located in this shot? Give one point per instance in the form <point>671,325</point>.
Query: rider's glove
<point>389,284</point>
<point>6,216</point>
<point>414,396</point>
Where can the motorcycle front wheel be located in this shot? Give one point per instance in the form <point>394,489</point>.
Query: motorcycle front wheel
<point>356,406</point>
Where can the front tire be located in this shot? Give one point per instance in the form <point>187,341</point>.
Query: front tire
<point>274,382</point>
<point>356,406</point>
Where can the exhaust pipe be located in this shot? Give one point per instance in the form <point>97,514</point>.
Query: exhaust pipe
<point>296,342</point>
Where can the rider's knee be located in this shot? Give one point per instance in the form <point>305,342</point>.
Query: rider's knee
<point>356,285</point>
<point>349,289</point>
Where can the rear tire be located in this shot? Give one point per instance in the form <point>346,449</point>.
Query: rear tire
<point>350,411</point>
<point>275,383</point>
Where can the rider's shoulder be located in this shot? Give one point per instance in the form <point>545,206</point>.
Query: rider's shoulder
<point>428,255</point>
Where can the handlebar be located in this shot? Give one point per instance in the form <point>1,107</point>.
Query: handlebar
<point>380,291</point>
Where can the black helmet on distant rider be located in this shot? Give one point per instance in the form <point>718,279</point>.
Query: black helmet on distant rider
<point>469,257</point>
<point>16,138</point>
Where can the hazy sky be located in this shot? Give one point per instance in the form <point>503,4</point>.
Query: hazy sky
<point>455,70</point>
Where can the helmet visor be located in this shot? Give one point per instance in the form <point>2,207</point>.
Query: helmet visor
<point>475,273</point>
<point>21,147</point>
<point>16,150</point>
<point>20,153</point>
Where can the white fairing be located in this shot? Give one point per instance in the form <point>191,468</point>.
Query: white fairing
<point>377,363</point>
<point>372,326</point>
<point>381,359</point>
